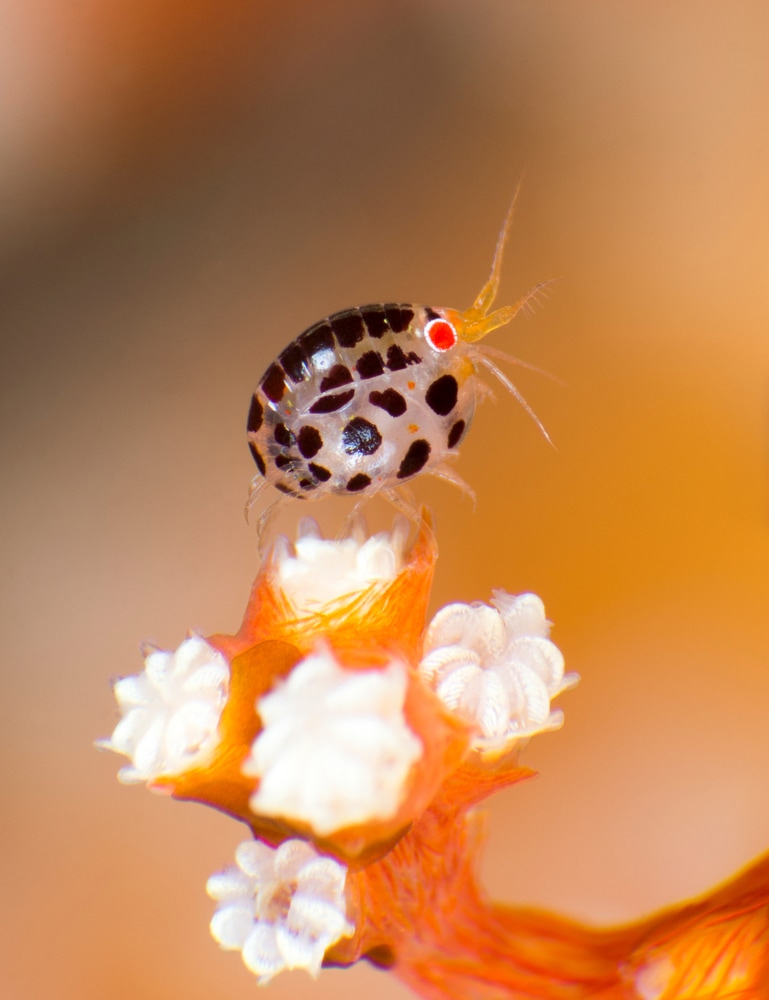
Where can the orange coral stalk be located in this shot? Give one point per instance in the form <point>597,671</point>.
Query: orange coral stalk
<point>421,913</point>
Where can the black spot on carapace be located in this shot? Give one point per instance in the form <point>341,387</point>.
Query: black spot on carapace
<point>292,360</point>
<point>430,314</point>
<point>390,401</point>
<point>415,459</point>
<point>370,364</point>
<point>321,474</point>
<point>393,313</point>
<point>398,317</point>
<point>274,383</point>
<point>285,488</point>
<point>338,375</point>
<point>375,320</point>
<point>441,396</point>
<point>281,461</point>
<point>316,340</point>
<point>255,415</point>
<point>308,484</point>
<point>309,441</point>
<point>455,434</point>
<point>361,437</point>
<point>348,327</point>
<point>257,457</point>
<point>330,404</point>
<point>397,360</point>
<point>407,314</point>
<point>283,435</point>
<point>358,483</point>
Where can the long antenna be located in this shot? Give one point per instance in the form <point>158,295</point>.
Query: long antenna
<point>488,293</point>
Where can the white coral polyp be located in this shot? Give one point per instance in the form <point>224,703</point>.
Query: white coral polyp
<point>171,711</point>
<point>496,667</point>
<point>282,908</point>
<point>318,571</point>
<point>335,750</point>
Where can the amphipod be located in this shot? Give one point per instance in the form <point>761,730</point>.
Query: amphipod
<point>370,397</point>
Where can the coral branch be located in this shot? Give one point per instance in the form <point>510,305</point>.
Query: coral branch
<point>355,744</point>
<point>442,937</point>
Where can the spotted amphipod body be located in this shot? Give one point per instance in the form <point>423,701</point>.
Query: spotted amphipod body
<point>370,397</point>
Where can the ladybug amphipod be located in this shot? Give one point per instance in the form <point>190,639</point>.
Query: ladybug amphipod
<point>370,397</point>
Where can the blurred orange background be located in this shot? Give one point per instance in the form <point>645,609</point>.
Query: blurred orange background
<point>184,187</point>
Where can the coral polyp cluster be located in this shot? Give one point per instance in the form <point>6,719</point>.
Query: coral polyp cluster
<point>355,739</point>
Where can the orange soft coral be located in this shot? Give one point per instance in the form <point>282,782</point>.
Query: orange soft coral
<point>355,743</point>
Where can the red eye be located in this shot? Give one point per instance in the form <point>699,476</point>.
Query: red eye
<point>440,334</point>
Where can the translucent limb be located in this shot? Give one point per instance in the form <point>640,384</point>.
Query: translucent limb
<point>267,516</point>
<point>404,501</point>
<point>486,361</point>
<point>494,352</point>
<point>255,487</point>
<point>448,475</point>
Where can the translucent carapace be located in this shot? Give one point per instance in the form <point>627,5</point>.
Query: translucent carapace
<point>372,396</point>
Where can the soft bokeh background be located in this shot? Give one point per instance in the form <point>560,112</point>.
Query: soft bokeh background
<point>186,186</point>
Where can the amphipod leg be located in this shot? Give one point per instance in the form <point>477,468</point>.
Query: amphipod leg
<point>494,352</point>
<point>255,487</point>
<point>495,371</point>
<point>268,514</point>
<point>354,525</point>
<point>447,474</point>
<point>403,500</point>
